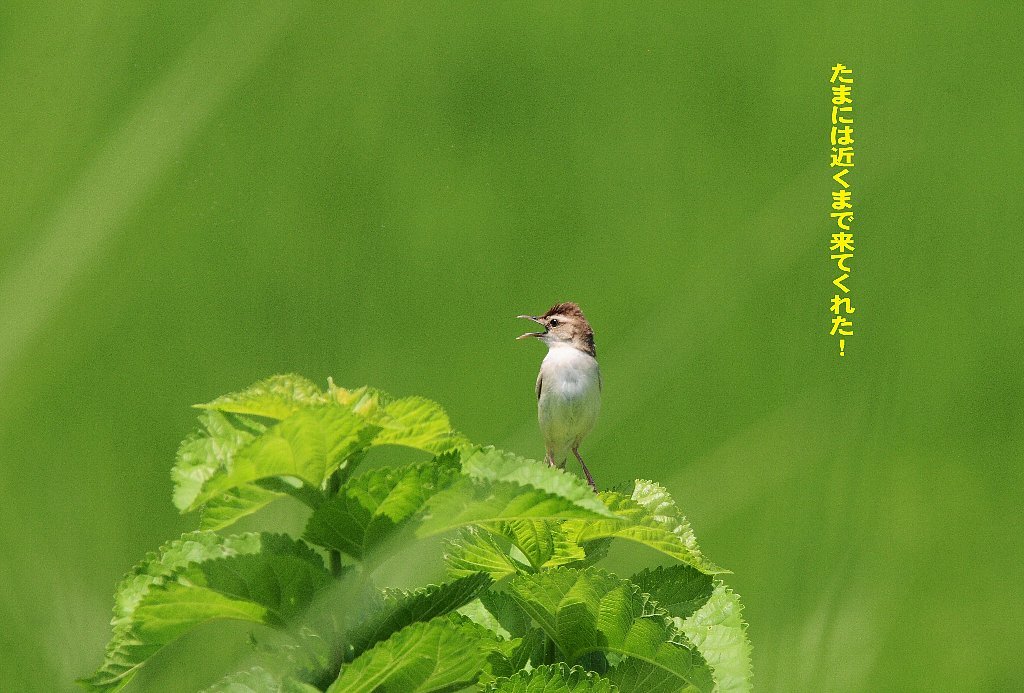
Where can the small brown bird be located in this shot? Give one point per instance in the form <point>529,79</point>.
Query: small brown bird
<point>569,383</point>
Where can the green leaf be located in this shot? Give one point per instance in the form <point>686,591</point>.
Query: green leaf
<point>470,501</point>
<point>476,550</point>
<point>395,609</point>
<point>282,578</point>
<point>234,504</point>
<point>510,623</point>
<point>308,445</point>
<point>370,508</point>
<point>374,507</point>
<point>171,611</point>
<point>557,678</point>
<point>633,675</point>
<point>499,487</point>
<point>264,578</point>
<point>414,422</point>
<point>368,402</point>
<point>277,397</point>
<point>679,589</point>
<point>543,543</point>
<point>649,517</point>
<point>204,453</point>
<point>500,614</point>
<point>210,452</point>
<point>124,652</point>
<point>596,550</point>
<point>418,423</point>
<point>158,567</point>
<point>439,655</point>
<point>490,464</point>
<point>259,680</point>
<point>530,648</point>
<point>208,473</point>
<point>719,633</point>
<point>587,611</point>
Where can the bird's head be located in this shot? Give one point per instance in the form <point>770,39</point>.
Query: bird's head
<point>563,324</point>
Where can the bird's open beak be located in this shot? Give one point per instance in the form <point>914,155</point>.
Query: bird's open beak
<point>532,334</point>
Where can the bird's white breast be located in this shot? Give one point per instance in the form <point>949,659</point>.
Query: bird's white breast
<point>570,396</point>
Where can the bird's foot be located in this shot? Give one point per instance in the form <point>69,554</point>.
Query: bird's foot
<point>590,479</point>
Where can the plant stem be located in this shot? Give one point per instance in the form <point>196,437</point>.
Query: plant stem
<point>550,655</point>
<point>333,555</point>
<point>334,482</point>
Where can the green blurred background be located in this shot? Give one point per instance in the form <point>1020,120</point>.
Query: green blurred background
<point>199,195</point>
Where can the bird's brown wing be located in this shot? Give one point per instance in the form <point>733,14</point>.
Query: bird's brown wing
<point>540,383</point>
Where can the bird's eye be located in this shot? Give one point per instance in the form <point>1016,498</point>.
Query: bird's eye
<point>554,322</point>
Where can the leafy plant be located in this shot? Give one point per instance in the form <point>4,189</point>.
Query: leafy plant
<point>525,606</point>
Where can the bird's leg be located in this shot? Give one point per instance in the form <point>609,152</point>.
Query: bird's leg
<point>590,479</point>
<point>549,457</point>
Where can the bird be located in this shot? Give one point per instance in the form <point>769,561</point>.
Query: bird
<point>568,385</point>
